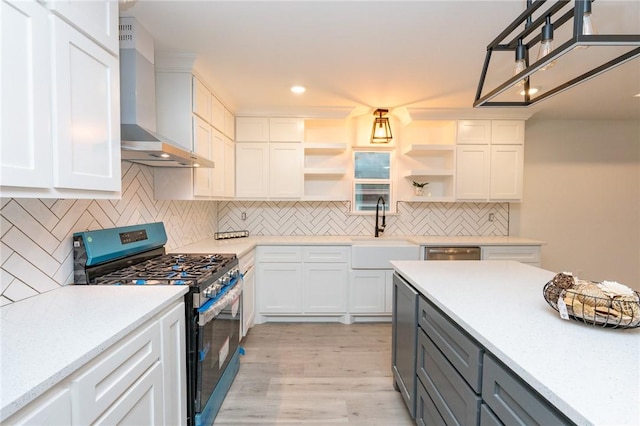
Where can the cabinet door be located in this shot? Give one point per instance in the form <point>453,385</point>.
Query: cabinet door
<point>252,129</point>
<point>367,292</point>
<point>510,132</point>
<point>286,129</point>
<point>218,173</point>
<point>248,299</point>
<point>477,132</point>
<point>325,287</point>
<point>285,170</point>
<point>229,125</point>
<point>25,100</point>
<point>97,19</point>
<point>174,374</point>
<point>203,143</point>
<point>280,288</point>
<point>217,114</point>
<point>229,168</point>
<point>86,113</point>
<point>51,409</point>
<point>202,101</point>
<point>141,404</point>
<point>472,172</point>
<point>252,170</point>
<point>507,163</point>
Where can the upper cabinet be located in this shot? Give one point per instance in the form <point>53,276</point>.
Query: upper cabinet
<point>60,100</point>
<point>493,170</point>
<point>269,168</point>
<point>190,115</point>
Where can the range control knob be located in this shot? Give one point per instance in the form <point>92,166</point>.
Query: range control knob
<point>225,280</point>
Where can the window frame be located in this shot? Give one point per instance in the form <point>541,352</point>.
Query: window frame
<point>390,205</point>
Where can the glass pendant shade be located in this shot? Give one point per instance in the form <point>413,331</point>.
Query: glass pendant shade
<point>381,132</point>
<point>546,45</point>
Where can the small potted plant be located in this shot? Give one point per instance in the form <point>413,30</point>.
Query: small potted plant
<point>419,187</point>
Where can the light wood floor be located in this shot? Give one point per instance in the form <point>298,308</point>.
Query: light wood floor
<point>315,374</point>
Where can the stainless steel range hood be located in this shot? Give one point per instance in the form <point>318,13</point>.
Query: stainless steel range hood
<point>139,141</point>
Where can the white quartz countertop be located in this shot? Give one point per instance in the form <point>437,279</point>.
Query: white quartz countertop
<point>45,338</point>
<point>241,246</point>
<point>591,374</point>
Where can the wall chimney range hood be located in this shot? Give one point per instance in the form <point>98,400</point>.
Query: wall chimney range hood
<point>139,141</point>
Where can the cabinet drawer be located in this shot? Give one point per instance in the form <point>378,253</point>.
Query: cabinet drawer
<point>113,373</point>
<point>525,254</point>
<point>513,401</point>
<point>455,400</point>
<point>426,412</point>
<point>487,418</point>
<point>279,254</point>
<point>334,254</point>
<point>458,348</point>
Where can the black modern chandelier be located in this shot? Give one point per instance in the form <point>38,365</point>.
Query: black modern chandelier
<point>539,31</point>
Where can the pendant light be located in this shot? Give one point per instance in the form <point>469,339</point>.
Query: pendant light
<point>381,132</point>
<point>521,62</point>
<point>587,24</point>
<point>546,44</point>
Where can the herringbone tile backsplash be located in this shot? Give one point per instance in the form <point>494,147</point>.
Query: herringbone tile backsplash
<point>333,218</point>
<point>36,234</point>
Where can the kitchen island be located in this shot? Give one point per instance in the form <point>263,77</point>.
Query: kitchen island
<point>589,374</point>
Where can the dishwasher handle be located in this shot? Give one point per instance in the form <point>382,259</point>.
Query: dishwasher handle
<point>452,253</point>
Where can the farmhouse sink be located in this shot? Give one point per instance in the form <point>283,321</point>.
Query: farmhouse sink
<point>375,253</point>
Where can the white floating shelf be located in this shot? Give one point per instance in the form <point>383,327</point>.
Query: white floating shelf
<point>425,149</point>
<point>426,199</point>
<point>324,147</point>
<point>335,171</point>
<point>322,198</point>
<point>429,172</point>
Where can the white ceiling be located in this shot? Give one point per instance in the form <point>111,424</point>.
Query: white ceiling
<point>354,56</point>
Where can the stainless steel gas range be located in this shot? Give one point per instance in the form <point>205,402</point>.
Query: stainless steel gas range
<point>135,255</point>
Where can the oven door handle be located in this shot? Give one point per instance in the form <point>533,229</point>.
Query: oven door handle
<point>207,313</point>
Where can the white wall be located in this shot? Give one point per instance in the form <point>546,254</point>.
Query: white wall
<point>582,196</point>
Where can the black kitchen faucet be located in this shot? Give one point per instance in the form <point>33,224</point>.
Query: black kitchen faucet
<point>380,229</point>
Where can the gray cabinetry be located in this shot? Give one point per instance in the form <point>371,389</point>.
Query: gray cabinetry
<point>426,412</point>
<point>513,401</point>
<point>404,341</point>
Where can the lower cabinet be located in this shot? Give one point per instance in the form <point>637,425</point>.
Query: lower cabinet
<point>294,280</point>
<point>139,380</point>
<point>370,291</point>
<point>457,381</point>
<point>529,255</point>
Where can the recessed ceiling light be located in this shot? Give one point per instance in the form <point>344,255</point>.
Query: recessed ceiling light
<point>637,96</point>
<point>298,89</point>
<point>532,91</point>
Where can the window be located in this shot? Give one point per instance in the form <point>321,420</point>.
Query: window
<point>371,180</point>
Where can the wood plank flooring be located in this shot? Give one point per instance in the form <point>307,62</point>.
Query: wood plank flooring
<point>315,374</point>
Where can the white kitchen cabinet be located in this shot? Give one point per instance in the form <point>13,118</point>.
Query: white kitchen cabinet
<point>174,384</point>
<point>525,254</point>
<point>202,100</point>
<point>252,129</point>
<point>371,291</point>
<point>325,288</point>
<point>247,267</point>
<point>51,409</point>
<point>96,19</point>
<point>229,125</point>
<point>509,132</point>
<point>86,123</point>
<point>271,170</point>
<point>286,129</point>
<point>217,114</point>
<point>26,150</point>
<point>252,170</point>
<point>285,170</point>
<point>203,183</point>
<point>472,172</point>
<point>229,168</point>
<point>507,168</point>
<point>218,173</point>
<point>475,132</point>
<point>60,108</point>
<point>279,288</point>
<point>140,379</point>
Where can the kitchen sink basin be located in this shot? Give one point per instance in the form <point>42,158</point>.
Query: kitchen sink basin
<point>375,253</point>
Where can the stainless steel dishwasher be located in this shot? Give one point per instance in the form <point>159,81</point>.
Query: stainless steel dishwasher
<point>452,253</point>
